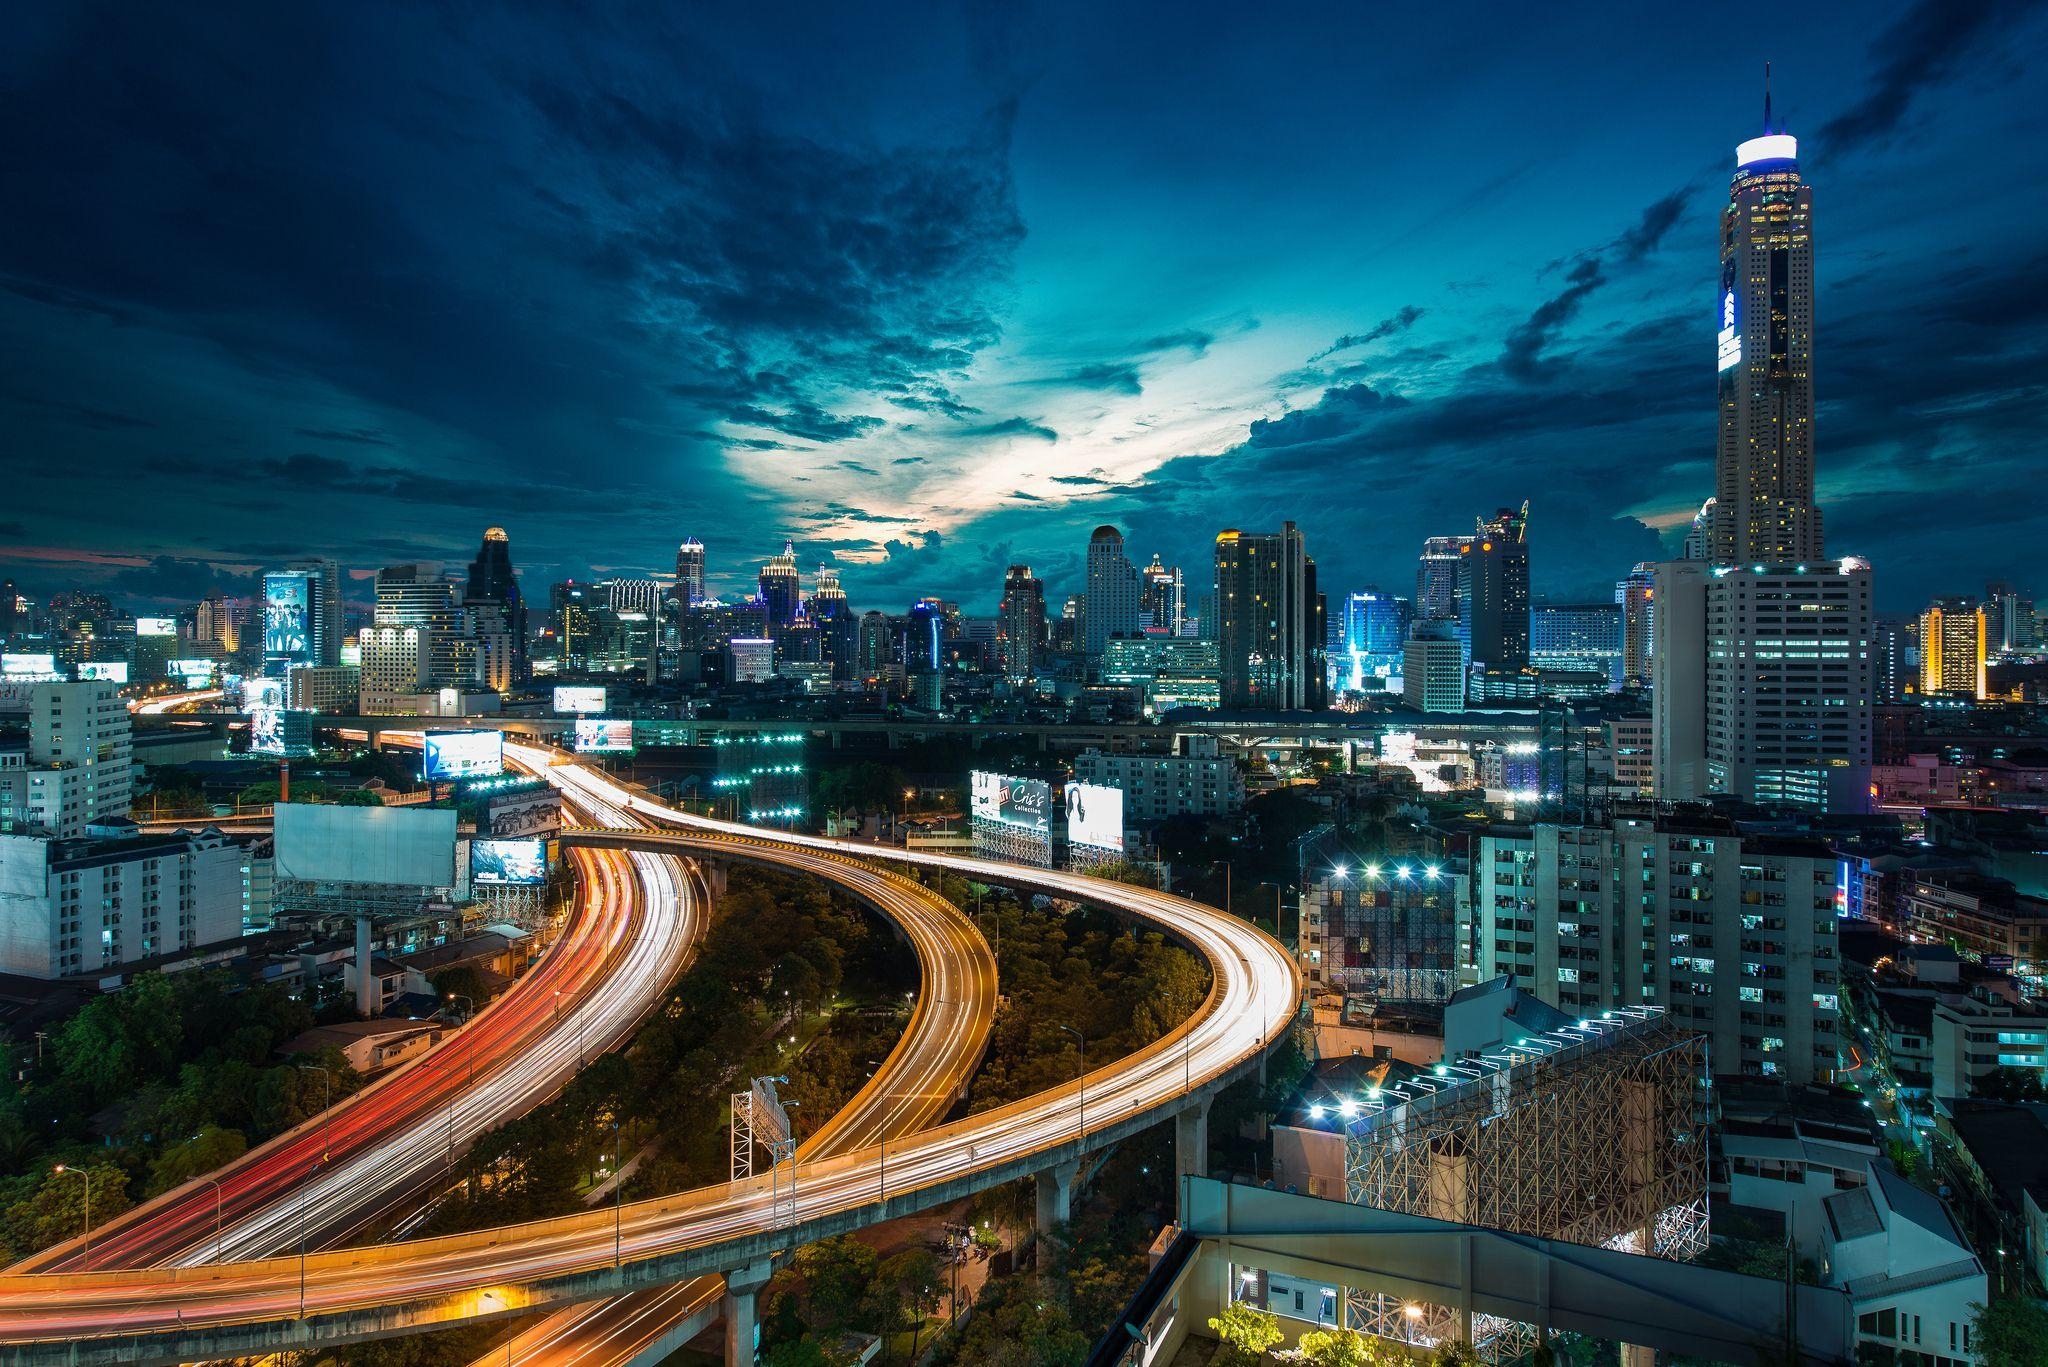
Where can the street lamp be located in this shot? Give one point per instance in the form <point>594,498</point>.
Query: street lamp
<point>327,1106</point>
<point>1083,1078</point>
<point>85,1173</point>
<point>216,1217</point>
<point>618,1193</point>
<point>459,997</point>
<point>314,1168</point>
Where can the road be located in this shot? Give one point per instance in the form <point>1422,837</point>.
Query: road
<point>639,916</point>
<point>1254,993</point>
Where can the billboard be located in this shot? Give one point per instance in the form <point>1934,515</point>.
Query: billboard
<point>24,666</point>
<point>107,671</point>
<point>1010,801</point>
<point>603,736</point>
<point>1095,816</point>
<point>156,626</point>
<point>508,863</point>
<point>262,693</point>
<point>577,698</point>
<point>402,846</point>
<point>191,673</point>
<point>537,811</point>
<point>287,616</point>
<point>462,754</point>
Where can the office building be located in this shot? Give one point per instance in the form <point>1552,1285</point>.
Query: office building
<point>1374,637</point>
<point>1196,780</point>
<point>781,588</point>
<point>415,641</point>
<point>1162,603</point>
<point>498,613</point>
<point>1762,651</point>
<point>1636,596</point>
<point>690,572</point>
<point>1894,660</point>
<point>1578,638</point>
<point>1020,623</point>
<point>1271,624</point>
<point>1433,668</point>
<point>1113,604</point>
<point>1172,671</point>
<point>79,771</point>
<point>1733,932</point>
<point>326,612</point>
<point>85,907</point>
<point>1953,637</point>
<point>1493,592</point>
<point>1436,579</point>
<point>2011,621</point>
<point>837,626</point>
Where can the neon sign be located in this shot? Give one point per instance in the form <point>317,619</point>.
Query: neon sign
<point>1731,340</point>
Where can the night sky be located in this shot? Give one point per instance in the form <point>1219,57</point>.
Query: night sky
<point>932,289</point>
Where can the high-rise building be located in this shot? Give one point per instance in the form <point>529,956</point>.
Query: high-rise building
<point>327,614</point>
<point>1163,603</point>
<point>1374,637</point>
<point>80,765</point>
<point>1113,603</point>
<point>1637,597</point>
<point>2010,619</point>
<point>498,612</point>
<point>1894,660</point>
<point>838,628</point>
<point>924,637</point>
<point>1493,591</point>
<point>1020,622</point>
<point>1577,638</point>
<point>1436,579</point>
<point>290,601</point>
<point>781,587</point>
<point>417,640</point>
<point>1762,651</point>
<point>1433,668</point>
<point>690,572</point>
<point>1271,624</point>
<point>1953,636</point>
<point>9,595</point>
<point>1763,510</point>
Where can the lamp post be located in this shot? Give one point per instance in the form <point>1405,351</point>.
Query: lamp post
<point>1083,1078</point>
<point>460,997</point>
<point>216,1217</point>
<point>618,1194</point>
<point>314,1168</point>
<point>85,1173</point>
<point>326,1108</point>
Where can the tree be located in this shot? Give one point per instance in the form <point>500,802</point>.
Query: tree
<point>837,1275</point>
<point>2012,1084</point>
<point>1456,1353</point>
<point>1343,1348</point>
<point>1246,1333</point>
<point>1904,1157</point>
<point>202,1153</point>
<point>54,1208</point>
<point>2012,1332</point>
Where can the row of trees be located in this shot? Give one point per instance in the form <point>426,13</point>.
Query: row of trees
<point>147,1088</point>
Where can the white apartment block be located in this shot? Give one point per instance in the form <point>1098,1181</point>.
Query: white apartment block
<point>79,770</point>
<point>85,907</point>
<point>1196,781</point>
<point>1733,933</point>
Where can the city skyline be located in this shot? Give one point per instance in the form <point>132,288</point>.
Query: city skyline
<point>1552,344</point>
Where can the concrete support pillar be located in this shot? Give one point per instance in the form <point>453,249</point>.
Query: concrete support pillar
<point>1191,1139</point>
<point>742,1286</point>
<point>369,1001</point>
<point>1055,1195</point>
<point>714,875</point>
<point>1635,1355</point>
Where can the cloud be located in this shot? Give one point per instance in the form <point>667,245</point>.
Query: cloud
<point>13,529</point>
<point>1386,327</point>
<point>357,436</point>
<point>1009,427</point>
<point>1521,355</point>
<point>1922,48</point>
<point>1114,377</point>
<point>805,420</point>
<point>856,467</point>
<point>1657,220</point>
<point>1082,481</point>
<point>908,460</point>
<point>1187,339</point>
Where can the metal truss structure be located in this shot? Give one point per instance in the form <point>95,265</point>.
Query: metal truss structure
<point>760,1118</point>
<point>379,901</point>
<point>1591,1134</point>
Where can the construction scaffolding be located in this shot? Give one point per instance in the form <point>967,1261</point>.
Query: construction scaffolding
<point>1593,1134</point>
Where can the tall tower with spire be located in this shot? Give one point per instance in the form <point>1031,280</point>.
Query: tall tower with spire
<point>690,572</point>
<point>781,588</point>
<point>1764,511</point>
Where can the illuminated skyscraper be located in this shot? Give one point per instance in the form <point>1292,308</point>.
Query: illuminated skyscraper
<point>690,572</point>
<point>1271,638</point>
<point>1763,511</point>
<point>1163,605</point>
<point>1637,596</point>
<point>1493,591</point>
<point>838,629</point>
<point>1111,606</point>
<point>781,588</point>
<point>497,612</point>
<point>1436,580</point>
<point>1954,634</point>
<point>1020,622</point>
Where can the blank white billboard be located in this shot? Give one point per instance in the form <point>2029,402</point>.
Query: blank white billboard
<point>579,698</point>
<point>1095,816</point>
<point>407,846</point>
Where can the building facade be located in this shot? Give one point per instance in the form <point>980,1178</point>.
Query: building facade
<point>78,907</point>
<point>1196,780</point>
<point>1271,632</point>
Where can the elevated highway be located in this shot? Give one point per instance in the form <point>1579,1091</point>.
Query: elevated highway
<point>734,1230</point>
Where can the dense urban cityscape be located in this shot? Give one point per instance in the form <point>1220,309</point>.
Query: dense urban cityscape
<point>813,952</point>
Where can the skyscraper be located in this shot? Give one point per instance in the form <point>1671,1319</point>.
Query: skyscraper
<point>1493,591</point>
<point>1637,596</point>
<point>1763,510</point>
<point>1436,580</point>
<point>690,572</point>
<point>497,611</point>
<point>781,587</point>
<point>1020,622</point>
<point>1954,635</point>
<point>1164,602</point>
<point>325,608</point>
<point>1111,606</point>
<point>837,626</point>
<point>1374,638</point>
<point>1271,633</point>
<point>1762,662</point>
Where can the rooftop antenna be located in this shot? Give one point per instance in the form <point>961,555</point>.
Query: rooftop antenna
<point>1767,95</point>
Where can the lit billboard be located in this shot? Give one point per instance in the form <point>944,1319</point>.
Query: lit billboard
<point>1095,816</point>
<point>266,730</point>
<point>508,863</point>
<point>156,626</point>
<point>25,666</point>
<point>106,671</point>
<point>403,846</point>
<point>262,693</point>
<point>579,698</point>
<point>451,756</point>
<point>603,736</point>
<point>536,811</point>
<point>1025,803</point>
<point>191,673</point>
<point>287,616</point>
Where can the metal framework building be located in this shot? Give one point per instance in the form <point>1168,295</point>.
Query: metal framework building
<point>1593,1134</point>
